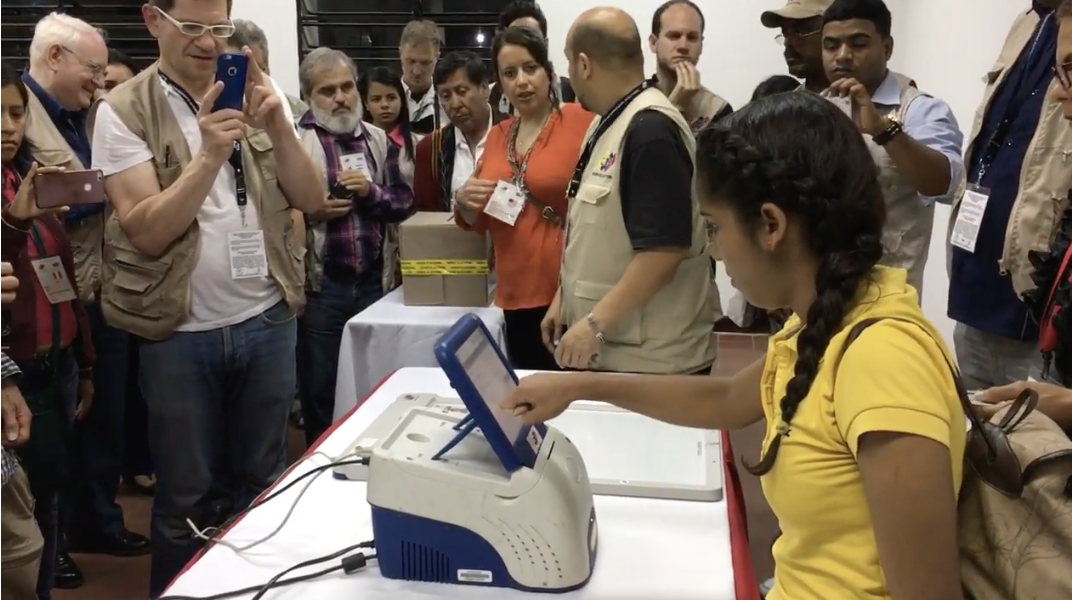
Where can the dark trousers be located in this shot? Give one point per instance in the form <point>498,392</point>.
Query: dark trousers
<point>341,296</point>
<point>524,340</point>
<point>100,437</point>
<point>52,505</point>
<point>218,406</point>
<point>137,459</point>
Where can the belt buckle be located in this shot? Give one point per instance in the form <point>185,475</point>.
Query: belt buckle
<point>549,214</point>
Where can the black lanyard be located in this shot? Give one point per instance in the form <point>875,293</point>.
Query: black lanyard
<point>993,145</point>
<point>604,124</point>
<point>235,159</point>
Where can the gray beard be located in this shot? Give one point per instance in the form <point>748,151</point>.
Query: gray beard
<point>338,124</point>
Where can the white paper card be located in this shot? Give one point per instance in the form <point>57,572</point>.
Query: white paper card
<point>506,203</point>
<point>355,162</point>
<point>53,278</point>
<point>969,218</point>
<point>248,258</point>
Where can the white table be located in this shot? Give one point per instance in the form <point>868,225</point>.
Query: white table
<point>389,335</point>
<point>648,549</point>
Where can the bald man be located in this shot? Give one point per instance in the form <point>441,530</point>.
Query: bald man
<point>636,291</point>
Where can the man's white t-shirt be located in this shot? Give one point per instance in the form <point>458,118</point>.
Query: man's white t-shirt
<point>216,299</point>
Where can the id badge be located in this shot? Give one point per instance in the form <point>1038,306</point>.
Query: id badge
<point>247,254</point>
<point>53,279</point>
<point>355,162</point>
<point>506,203</point>
<point>969,217</point>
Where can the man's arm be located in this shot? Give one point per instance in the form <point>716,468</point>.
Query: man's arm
<point>656,192</point>
<point>152,218</point>
<point>295,168</point>
<point>391,202</point>
<point>928,152</point>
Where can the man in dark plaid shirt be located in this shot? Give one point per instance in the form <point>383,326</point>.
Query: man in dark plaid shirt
<point>22,542</point>
<point>367,193</point>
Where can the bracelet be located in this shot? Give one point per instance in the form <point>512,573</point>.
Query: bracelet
<point>595,327</point>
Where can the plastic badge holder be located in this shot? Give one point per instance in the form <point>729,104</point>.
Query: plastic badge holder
<point>478,370</point>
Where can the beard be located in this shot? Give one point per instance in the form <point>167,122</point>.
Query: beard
<point>339,123</point>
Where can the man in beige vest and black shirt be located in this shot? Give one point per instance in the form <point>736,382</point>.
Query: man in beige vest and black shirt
<point>1019,171</point>
<point>68,60</point>
<point>913,136</point>
<point>202,262</point>
<point>636,292</point>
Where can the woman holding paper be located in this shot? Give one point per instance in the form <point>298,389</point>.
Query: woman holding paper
<point>518,193</point>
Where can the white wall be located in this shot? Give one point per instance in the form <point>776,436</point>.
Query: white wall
<point>946,46</point>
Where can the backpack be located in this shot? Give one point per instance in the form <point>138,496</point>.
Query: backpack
<point>1014,513</point>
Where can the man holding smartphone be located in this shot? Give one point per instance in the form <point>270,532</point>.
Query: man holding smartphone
<point>203,264</point>
<point>68,61</point>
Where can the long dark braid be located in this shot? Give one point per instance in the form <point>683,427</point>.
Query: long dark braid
<point>796,151</point>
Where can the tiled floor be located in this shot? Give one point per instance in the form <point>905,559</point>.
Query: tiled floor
<point>111,578</point>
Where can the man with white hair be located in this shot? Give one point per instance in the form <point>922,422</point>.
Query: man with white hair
<point>367,192</point>
<point>68,59</point>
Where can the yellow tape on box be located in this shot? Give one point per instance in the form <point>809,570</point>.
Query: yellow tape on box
<point>444,267</point>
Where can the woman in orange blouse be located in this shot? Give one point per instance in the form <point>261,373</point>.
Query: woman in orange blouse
<point>535,153</point>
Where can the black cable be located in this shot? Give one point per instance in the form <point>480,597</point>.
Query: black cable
<point>349,565</point>
<point>211,541</point>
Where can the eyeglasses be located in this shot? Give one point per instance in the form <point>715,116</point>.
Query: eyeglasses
<point>197,30</point>
<point>1064,75</point>
<point>781,37</point>
<point>96,69</point>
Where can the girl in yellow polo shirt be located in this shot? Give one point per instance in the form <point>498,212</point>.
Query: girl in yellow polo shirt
<point>863,455</point>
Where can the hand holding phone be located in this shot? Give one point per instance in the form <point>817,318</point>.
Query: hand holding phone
<point>27,204</point>
<point>232,69</point>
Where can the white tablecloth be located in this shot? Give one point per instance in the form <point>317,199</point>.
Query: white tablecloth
<point>388,336</point>
<point>648,549</point>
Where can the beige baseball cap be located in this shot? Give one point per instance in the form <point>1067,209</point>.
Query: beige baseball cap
<point>795,10</point>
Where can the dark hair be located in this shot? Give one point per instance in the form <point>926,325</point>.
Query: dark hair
<point>9,75</point>
<point>528,39</point>
<point>799,152</point>
<point>473,65</point>
<point>608,47</point>
<point>522,9</point>
<point>657,18</point>
<point>118,57</point>
<point>775,84</point>
<point>166,5</point>
<point>875,11</point>
<point>390,78</point>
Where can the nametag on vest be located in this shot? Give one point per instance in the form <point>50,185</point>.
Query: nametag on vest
<point>247,254</point>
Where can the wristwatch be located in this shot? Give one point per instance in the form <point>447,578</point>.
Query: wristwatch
<point>893,128</point>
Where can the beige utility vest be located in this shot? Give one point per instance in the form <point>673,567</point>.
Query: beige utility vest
<point>703,108</point>
<point>1046,176</point>
<point>672,334</point>
<point>149,296</point>
<point>909,222</point>
<point>50,149</point>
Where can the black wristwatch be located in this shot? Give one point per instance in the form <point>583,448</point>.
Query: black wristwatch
<point>893,129</point>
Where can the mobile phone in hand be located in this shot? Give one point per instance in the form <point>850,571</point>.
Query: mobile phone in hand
<point>69,188</point>
<point>231,69</point>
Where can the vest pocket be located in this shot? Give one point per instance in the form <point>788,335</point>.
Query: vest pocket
<point>133,285</point>
<point>591,197</point>
<point>627,331</point>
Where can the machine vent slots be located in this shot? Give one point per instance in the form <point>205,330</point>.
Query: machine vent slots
<point>425,564</point>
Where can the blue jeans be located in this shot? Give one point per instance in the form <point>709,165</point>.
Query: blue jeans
<point>52,506</point>
<point>101,437</point>
<point>319,337</point>
<point>218,404</point>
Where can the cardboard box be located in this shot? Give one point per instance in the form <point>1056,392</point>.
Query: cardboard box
<point>442,264</point>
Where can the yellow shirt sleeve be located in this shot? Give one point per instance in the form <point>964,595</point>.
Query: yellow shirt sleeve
<point>894,378</point>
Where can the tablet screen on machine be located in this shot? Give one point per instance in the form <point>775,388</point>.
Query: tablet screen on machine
<point>480,373</point>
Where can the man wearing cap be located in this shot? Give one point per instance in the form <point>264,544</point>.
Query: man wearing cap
<point>801,22</point>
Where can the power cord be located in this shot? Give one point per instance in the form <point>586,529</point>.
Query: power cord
<point>211,534</point>
<point>348,565</point>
